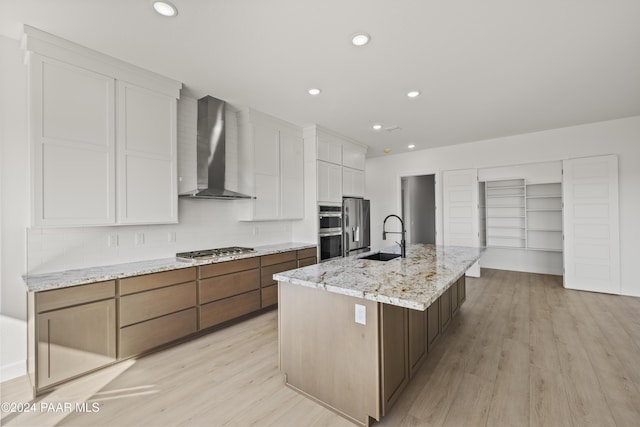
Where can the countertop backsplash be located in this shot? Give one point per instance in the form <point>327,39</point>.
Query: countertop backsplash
<point>203,224</point>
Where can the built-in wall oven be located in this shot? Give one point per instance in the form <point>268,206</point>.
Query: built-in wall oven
<point>330,231</point>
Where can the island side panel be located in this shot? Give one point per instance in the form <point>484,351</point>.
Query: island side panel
<point>325,354</point>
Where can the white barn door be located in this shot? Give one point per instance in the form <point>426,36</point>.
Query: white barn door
<point>591,224</point>
<point>460,213</point>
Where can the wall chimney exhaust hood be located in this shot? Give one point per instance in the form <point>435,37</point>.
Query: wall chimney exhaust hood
<point>211,151</point>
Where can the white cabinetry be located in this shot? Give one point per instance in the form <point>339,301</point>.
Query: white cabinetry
<point>353,156</point>
<point>146,147</point>
<point>340,167</point>
<point>72,131</point>
<point>329,148</point>
<point>352,182</point>
<point>78,127</point>
<point>329,182</point>
<point>272,164</point>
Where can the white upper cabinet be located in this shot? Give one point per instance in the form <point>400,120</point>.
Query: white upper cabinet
<point>147,164</point>
<point>79,127</point>
<point>187,145</point>
<point>73,144</point>
<point>292,175</point>
<point>329,148</point>
<point>353,156</point>
<point>329,182</point>
<point>352,182</point>
<point>271,167</point>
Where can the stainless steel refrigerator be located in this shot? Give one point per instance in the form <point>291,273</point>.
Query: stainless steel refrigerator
<point>356,230</point>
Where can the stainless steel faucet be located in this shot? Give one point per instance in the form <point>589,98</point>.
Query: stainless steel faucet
<point>403,242</point>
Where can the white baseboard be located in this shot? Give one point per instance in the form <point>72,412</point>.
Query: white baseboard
<point>13,370</point>
<point>13,348</point>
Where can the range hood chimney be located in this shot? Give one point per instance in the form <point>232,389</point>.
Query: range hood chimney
<point>211,151</point>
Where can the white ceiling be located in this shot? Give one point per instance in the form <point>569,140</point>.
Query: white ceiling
<point>485,68</point>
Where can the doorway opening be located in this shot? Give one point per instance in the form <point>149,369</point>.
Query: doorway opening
<point>419,208</point>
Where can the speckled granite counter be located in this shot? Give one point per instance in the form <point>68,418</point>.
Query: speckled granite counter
<point>63,279</point>
<point>413,282</point>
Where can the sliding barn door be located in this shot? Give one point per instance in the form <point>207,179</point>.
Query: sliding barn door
<point>460,213</point>
<point>591,224</point>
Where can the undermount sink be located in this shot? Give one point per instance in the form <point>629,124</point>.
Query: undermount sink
<point>380,256</point>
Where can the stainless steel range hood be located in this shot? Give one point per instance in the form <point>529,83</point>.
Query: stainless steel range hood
<point>211,151</point>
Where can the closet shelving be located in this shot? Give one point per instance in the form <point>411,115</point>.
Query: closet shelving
<point>544,216</point>
<point>523,216</point>
<point>505,206</point>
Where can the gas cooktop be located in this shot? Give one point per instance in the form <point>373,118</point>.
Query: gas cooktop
<point>214,253</point>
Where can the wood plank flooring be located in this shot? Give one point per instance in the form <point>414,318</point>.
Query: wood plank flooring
<point>522,351</point>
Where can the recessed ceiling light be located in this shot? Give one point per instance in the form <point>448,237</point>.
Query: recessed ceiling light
<point>377,126</point>
<point>165,8</point>
<point>411,146</point>
<point>314,91</point>
<point>413,93</point>
<point>360,39</point>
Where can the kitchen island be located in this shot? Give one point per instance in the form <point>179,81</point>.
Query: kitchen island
<point>352,332</point>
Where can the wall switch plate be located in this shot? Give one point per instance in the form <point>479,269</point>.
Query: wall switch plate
<point>139,239</point>
<point>361,314</point>
<point>112,240</point>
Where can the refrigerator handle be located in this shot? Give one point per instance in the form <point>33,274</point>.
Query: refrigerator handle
<point>356,234</point>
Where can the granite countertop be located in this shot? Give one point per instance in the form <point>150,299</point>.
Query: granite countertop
<point>84,276</point>
<point>413,282</point>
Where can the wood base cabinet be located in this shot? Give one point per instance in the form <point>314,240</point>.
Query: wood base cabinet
<point>78,329</point>
<point>357,370</point>
<point>74,330</point>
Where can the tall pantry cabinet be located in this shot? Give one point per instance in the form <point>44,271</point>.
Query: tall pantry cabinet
<point>103,137</point>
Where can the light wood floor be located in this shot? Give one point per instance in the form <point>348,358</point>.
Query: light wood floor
<point>522,351</point>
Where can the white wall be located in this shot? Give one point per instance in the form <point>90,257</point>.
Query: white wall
<point>203,224</point>
<point>14,195</point>
<point>621,137</point>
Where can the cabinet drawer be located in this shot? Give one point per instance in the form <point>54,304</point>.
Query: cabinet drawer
<point>269,296</point>
<point>307,261</point>
<point>75,340</point>
<point>220,311</point>
<point>144,336</point>
<point>307,253</point>
<point>147,305</point>
<point>66,297</point>
<point>268,272</point>
<point>147,282</point>
<point>278,258</point>
<point>215,288</point>
<point>227,267</point>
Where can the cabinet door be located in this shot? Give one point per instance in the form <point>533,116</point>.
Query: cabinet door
<point>352,182</point>
<point>395,347</point>
<point>329,182</point>
<point>147,164</point>
<point>329,149</point>
<point>417,339</point>
<point>75,340</point>
<point>461,217</point>
<point>591,224</point>
<point>266,171</point>
<point>353,157</point>
<point>73,144</point>
<point>291,176</point>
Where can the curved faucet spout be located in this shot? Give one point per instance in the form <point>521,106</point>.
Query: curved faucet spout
<point>403,244</point>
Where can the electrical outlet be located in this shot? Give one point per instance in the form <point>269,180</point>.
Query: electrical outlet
<point>112,240</point>
<point>139,239</point>
<point>361,314</point>
<point>171,236</point>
